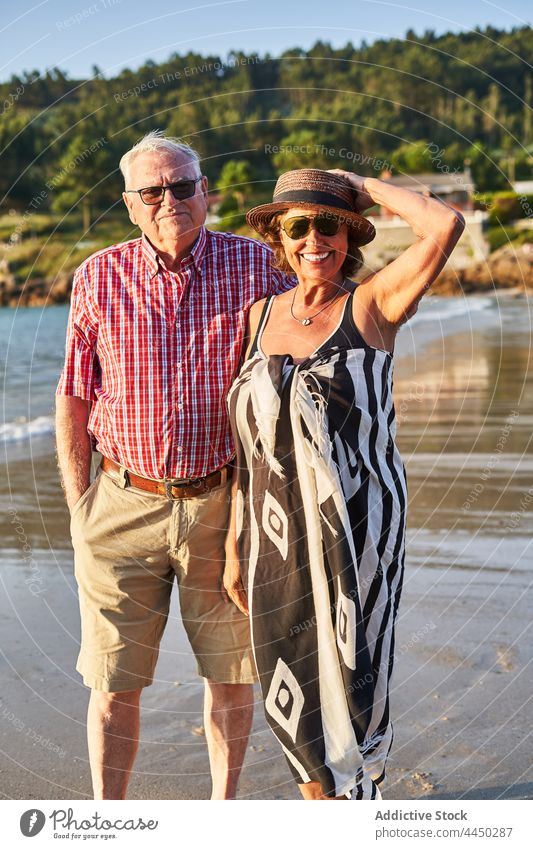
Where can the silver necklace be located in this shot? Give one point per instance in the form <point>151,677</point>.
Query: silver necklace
<point>306,321</point>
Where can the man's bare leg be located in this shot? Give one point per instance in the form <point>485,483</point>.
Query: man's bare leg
<point>113,722</point>
<point>228,712</point>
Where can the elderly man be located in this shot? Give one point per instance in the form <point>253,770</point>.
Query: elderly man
<point>153,344</point>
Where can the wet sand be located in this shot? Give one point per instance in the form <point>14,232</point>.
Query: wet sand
<point>461,694</point>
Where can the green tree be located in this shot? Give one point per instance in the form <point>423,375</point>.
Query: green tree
<point>303,149</point>
<point>412,158</point>
<point>389,96</point>
<point>485,168</point>
<point>81,174</point>
<point>235,181</point>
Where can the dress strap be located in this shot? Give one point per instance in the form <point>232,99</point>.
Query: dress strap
<point>262,322</point>
<point>349,326</point>
<point>347,334</point>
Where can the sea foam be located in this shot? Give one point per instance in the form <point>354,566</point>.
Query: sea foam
<point>22,429</point>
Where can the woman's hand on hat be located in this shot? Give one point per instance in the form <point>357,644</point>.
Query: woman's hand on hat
<point>363,200</point>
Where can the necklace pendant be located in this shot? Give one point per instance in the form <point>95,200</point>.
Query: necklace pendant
<point>306,321</point>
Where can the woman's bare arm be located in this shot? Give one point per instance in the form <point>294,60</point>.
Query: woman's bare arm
<point>254,317</point>
<point>232,582</point>
<point>397,288</point>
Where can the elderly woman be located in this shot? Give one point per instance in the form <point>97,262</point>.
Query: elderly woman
<point>318,519</point>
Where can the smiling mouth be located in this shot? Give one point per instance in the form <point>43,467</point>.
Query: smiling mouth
<point>316,258</point>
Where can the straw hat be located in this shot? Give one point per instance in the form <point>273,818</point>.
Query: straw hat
<point>312,187</point>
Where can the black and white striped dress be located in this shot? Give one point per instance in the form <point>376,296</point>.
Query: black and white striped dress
<point>320,526</point>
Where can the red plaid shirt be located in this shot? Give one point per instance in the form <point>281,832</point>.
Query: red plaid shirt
<point>157,350</point>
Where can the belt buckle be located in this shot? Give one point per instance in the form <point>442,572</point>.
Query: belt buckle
<point>198,483</point>
<point>168,483</point>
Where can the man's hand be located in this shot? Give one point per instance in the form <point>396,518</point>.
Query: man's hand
<point>233,589</point>
<point>363,200</point>
<point>73,498</point>
<point>73,446</point>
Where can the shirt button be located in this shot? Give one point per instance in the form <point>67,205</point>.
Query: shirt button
<point>179,407</point>
<point>178,449</point>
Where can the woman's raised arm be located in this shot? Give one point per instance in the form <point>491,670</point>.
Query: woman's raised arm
<point>398,287</point>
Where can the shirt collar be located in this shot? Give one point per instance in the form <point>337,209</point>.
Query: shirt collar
<point>153,260</point>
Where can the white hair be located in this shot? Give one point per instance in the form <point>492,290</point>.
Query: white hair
<point>157,141</point>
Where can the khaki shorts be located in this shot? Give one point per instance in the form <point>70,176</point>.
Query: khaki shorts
<point>129,545</point>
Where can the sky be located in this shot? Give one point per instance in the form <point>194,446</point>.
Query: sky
<point>74,35</point>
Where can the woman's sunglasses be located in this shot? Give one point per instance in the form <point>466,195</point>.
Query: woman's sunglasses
<point>154,194</point>
<point>300,225</point>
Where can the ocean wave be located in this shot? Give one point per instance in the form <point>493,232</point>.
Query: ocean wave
<point>21,429</point>
<point>441,309</point>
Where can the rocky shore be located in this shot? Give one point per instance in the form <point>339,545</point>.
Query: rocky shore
<point>38,292</point>
<point>509,267</point>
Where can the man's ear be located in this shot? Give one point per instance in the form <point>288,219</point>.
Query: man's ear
<point>129,206</point>
<point>205,186</point>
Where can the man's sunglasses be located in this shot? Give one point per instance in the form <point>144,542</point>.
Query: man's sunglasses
<point>154,194</point>
<point>300,225</point>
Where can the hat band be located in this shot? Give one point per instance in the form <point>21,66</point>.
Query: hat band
<point>312,197</point>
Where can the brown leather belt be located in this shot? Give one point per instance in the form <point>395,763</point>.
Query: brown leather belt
<point>171,488</point>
